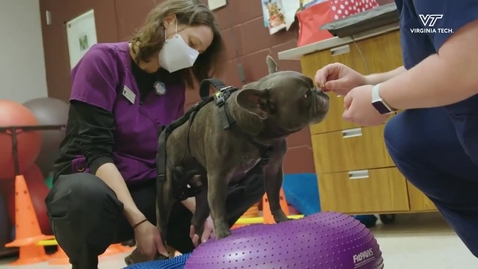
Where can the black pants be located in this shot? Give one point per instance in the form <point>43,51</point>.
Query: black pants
<point>87,217</point>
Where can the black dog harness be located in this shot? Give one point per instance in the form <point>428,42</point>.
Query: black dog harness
<point>181,177</point>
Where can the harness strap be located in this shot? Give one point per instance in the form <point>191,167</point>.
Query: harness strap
<point>161,155</point>
<point>205,86</point>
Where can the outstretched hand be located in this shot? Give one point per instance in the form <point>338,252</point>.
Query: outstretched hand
<point>338,78</point>
<point>148,241</point>
<point>207,233</point>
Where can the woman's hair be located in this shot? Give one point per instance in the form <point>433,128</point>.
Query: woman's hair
<point>150,39</point>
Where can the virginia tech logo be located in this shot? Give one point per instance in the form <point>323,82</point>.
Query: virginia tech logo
<point>429,20</point>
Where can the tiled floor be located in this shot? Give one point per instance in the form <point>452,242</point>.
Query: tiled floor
<point>415,241</point>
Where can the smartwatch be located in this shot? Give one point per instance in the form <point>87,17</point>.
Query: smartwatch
<point>379,103</point>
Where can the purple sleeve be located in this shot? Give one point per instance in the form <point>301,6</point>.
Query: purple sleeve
<point>95,78</point>
<point>445,17</point>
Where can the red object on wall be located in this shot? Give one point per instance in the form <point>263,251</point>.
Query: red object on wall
<point>310,20</point>
<point>343,8</point>
<point>315,16</point>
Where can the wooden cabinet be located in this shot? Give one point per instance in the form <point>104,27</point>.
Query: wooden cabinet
<point>355,172</point>
<point>382,53</point>
<point>364,191</point>
<point>358,148</point>
<point>418,201</point>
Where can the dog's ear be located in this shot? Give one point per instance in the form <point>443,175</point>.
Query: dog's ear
<point>254,101</point>
<point>271,65</point>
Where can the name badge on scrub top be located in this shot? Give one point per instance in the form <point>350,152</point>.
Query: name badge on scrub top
<point>129,94</point>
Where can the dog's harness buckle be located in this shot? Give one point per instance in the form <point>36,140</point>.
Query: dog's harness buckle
<point>221,96</point>
<point>161,177</point>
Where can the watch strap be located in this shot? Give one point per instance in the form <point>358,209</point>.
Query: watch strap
<point>376,93</point>
<point>379,103</point>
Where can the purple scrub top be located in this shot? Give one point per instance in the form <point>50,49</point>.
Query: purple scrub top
<point>103,78</point>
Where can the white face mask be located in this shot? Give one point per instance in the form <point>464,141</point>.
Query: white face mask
<point>176,54</point>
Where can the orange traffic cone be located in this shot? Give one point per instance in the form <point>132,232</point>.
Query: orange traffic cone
<point>59,258</point>
<point>252,212</point>
<point>266,211</point>
<point>27,229</point>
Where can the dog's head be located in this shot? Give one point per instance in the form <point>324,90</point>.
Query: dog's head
<point>286,99</point>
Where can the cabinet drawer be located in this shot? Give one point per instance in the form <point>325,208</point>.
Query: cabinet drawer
<point>382,53</point>
<point>418,200</point>
<point>348,55</point>
<point>363,192</point>
<point>351,149</point>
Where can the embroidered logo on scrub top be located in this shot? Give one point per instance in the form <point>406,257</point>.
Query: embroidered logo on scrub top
<point>159,88</point>
<point>129,94</point>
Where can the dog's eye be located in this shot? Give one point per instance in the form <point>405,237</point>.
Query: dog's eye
<point>306,95</point>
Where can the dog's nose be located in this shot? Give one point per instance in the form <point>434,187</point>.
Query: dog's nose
<point>321,93</point>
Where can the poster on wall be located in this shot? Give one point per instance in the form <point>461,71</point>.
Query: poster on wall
<point>81,34</point>
<point>279,14</point>
<point>273,15</point>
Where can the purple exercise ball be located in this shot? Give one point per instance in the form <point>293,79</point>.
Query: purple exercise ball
<point>49,111</point>
<point>323,240</point>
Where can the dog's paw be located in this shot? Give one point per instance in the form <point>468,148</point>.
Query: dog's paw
<point>159,257</point>
<point>128,260</point>
<point>281,217</point>
<point>220,234</point>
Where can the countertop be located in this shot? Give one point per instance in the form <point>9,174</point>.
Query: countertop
<point>297,53</point>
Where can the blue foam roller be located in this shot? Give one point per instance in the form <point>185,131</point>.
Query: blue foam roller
<point>302,192</point>
<point>174,263</point>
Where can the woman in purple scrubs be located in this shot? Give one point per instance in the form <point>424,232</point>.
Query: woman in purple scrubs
<point>122,93</point>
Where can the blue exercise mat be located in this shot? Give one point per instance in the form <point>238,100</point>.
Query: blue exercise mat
<point>174,263</point>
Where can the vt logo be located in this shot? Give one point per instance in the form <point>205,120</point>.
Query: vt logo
<point>429,20</point>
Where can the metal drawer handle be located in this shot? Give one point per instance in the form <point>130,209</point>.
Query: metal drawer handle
<point>351,133</point>
<point>340,50</point>
<point>358,174</point>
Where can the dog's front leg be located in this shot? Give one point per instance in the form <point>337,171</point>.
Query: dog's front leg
<point>216,196</point>
<point>201,213</point>
<point>273,176</point>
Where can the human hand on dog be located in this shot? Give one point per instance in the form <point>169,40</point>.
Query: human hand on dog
<point>208,232</point>
<point>338,78</point>
<point>148,241</point>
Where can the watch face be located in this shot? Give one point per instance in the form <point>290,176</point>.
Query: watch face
<point>381,108</point>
